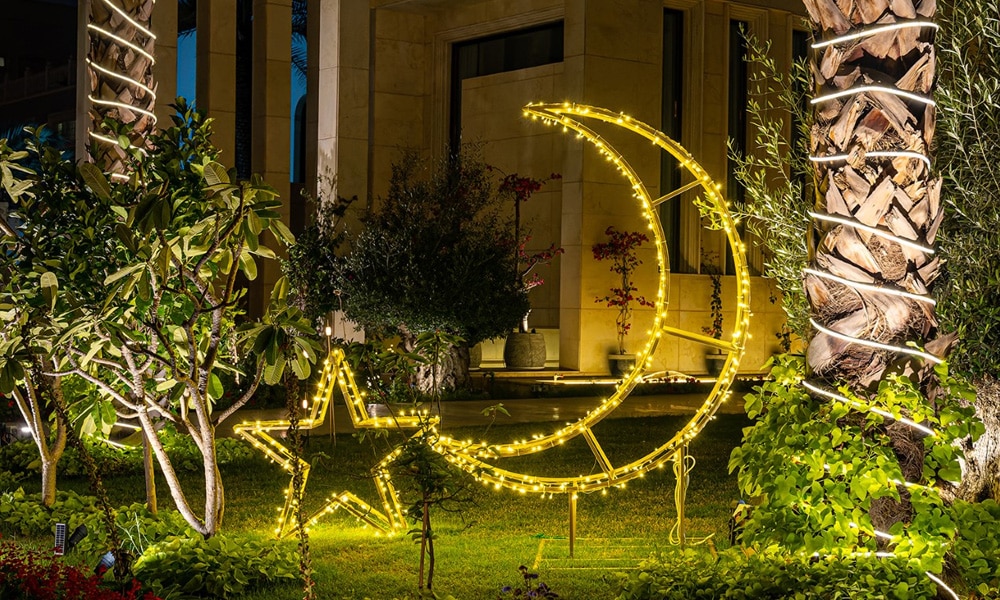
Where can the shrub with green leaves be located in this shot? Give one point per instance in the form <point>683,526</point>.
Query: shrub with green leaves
<point>24,514</point>
<point>688,575</point>
<point>174,561</point>
<point>219,567</point>
<point>819,469</point>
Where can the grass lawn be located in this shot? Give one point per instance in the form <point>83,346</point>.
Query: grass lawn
<point>479,549</point>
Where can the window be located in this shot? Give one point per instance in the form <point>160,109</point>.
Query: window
<point>738,118</point>
<point>509,51</point>
<point>670,124</point>
<point>244,88</point>
<point>187,50</point>
<point>297,166</point>
<point>738,93</point>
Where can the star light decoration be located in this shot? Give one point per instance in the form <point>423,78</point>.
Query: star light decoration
<point>478,458</point>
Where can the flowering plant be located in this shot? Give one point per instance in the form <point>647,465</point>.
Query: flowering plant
<point>620,250</point>
<point>32,575</point>
<point>520,189</point>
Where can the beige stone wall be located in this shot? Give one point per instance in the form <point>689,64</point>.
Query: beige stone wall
<point>379,77</point>
<point>612,58</point>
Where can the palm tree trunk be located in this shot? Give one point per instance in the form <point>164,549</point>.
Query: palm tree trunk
<point>877,208</point>
<point>877,216</point>
<point>121,75</point>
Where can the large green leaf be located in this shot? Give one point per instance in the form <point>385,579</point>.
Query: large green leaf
<point>215,174</point>
<point>95,180</point>
<point>248,266</point>
<point>50,288</point>
<point>215,390</point>
<point>282,232</point>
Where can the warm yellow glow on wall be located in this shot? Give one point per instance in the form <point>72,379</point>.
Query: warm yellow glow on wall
<point>478,457</point>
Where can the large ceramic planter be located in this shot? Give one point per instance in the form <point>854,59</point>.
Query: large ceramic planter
<point>621,364</point>
<point>714,363</point>
<point>475,357</point>
<point>524,351</point>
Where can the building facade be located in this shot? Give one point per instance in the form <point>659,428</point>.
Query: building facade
<point>302,91</point>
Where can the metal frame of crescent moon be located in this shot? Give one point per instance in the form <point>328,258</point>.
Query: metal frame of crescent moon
<point>477,457</point>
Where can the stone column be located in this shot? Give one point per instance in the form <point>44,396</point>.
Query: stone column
<point>164,23</point>
<point>216,77</point>
<point>272,58</point>
<point>339,91</point>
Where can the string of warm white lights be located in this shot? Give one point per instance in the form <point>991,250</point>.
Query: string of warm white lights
<point>873,344</point>
<point>121,40</point>
<point>872,230</point>
<point>875,154</point>
<point>477,457</point>
<point>872,88</point>
<point>871,288</point>
<point>122,76</point>
<point>857,35</point>
<point>868,408</point>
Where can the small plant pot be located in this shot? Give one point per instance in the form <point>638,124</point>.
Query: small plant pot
<point>621,364</point>
<point>524,351</point>
<point>714,364</point>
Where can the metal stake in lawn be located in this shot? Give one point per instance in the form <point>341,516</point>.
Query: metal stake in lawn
<point>572,523</point>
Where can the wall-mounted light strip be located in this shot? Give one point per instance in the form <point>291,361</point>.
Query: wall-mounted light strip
<point>868,408</point>
<point>873,88</point>
<point>872,230</point>
<point>874,154</point>
<point>872,288</point>
<point>874,31</point>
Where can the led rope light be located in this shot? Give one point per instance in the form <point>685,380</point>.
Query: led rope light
<point>117,104</point>
<point>872,409</point>
<point>942,584</point>
<point>121,41</point>
<point>873,88</point>
<point>899,482</point>
<point>873,344</point>
<point>873,31</point>
<point>129,19</point>
<point>872,230</point>
<point>874,154</point>
<point>121,77</point>
<point>872,288</point>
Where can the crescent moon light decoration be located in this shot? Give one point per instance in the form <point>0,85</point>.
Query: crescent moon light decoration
<point>479,457</point>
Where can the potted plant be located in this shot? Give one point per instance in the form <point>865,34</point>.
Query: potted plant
<point>714,360</point>
<point>620,249</point>
<point>525,348</point>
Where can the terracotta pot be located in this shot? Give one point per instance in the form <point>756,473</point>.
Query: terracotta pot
<point>524,351</point>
